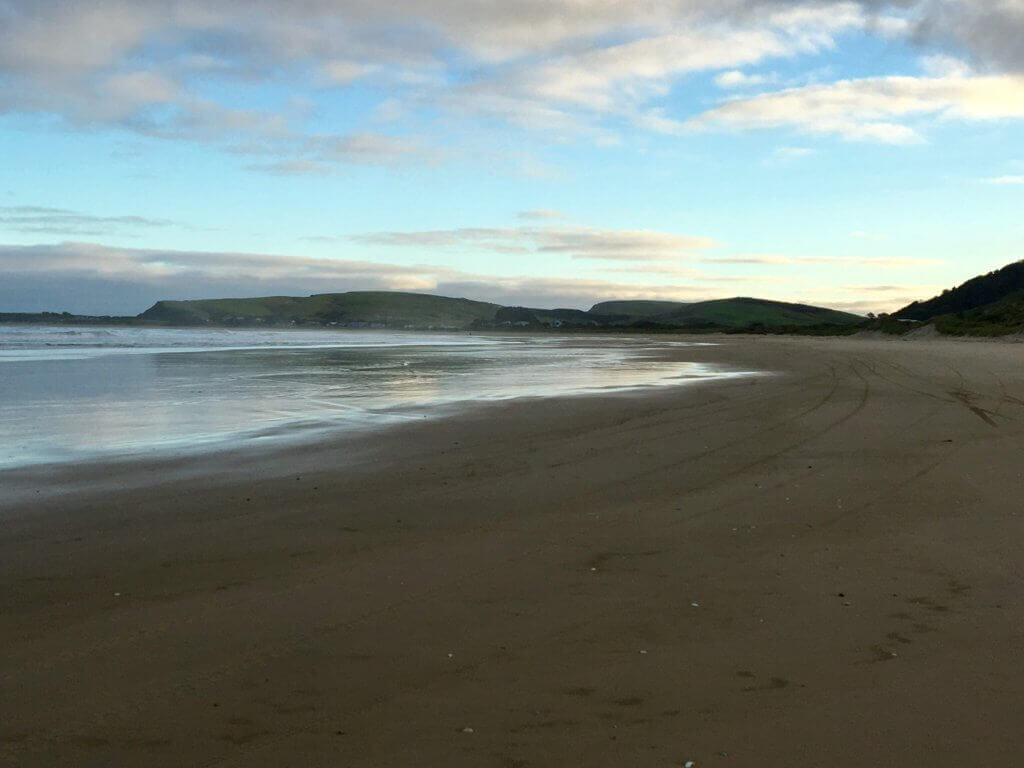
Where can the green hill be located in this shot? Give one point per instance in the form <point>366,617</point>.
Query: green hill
<point>381,309</point>
<point>387,309</point>
<point>996,319</point>
<point>975,293</point>
<point>637,309</point>
<point>736,313</point>
<point>744,312</point>
<point>987,305</point>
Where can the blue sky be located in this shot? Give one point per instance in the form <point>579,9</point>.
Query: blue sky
<point>852,154</point>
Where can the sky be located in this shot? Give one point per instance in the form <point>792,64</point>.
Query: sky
<point>548,153</point>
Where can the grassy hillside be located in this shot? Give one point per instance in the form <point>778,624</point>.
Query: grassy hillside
<point>746,312</point>
<point>354,309</point>
<point>385,309</point>
<point>996,319</point>
<point>975,293</point>
<point>639,309</point>
<point>737,313</point>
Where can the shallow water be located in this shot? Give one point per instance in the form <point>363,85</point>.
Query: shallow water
<point>73,393</point>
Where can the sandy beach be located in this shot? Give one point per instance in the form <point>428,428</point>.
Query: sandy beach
<point>820,566</point>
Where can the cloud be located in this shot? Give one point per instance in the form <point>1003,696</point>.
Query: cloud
<point>753,259</point>
<point>880,288</point>
<point>736,79</point>
<point>146,65</point>
<point>854,261</point>
<point>870,262</point>
<point>57,273</point>
<point>575,242</point>
<point>322,153</point>
<point>1004,181</point>
<point>175,69</point>
<point>97,279</point>
<point>363,148</point>
<point>940,65</point>
<point>662,270</point>
<point>989,30</point>
<point>609,79</point>
<point>781,155</point>
<point>567,93</point>
<point>27,219</point>
<point>871,109</point>
<point>342,72</point>
<point>541,214</point>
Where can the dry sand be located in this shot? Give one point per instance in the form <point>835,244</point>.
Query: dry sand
<point>821,567</point>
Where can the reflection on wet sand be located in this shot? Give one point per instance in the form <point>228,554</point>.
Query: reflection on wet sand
<point>65,397</point>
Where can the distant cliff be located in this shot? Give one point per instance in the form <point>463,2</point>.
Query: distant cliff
<point>417,311</point>
<point>384,309</point>
<point>356,309</point>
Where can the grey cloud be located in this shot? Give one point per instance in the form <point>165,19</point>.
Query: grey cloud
<point>493,237</point>
<point>102,295</point>
<point>362,149</point>
<point>877,288</point>
<point>624,245</point>
<point>53,272</point>
<point>561,66</point>
<point>855,261</point>
<point>991,30</point>
<point>696,275</point>
<point>775,260</point>
<point>1004,181</point>
<point>27,219</point>
<point>574,242</point>
<point>96,279</point>
<point>133,62</point>
<point>541,214</point>
<point>321,154</point>
<point>871,262</point>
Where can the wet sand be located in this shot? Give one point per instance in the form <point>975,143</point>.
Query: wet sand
<point>818,567</point>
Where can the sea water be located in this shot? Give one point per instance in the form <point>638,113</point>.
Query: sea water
<point>72,393</point>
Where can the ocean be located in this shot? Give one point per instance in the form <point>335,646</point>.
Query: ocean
<point>78,393</point>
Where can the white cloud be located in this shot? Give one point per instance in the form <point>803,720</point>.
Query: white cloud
<point>364,148</point>
<point>574,242</point>
<point>623,79</point>
<point>1004,181</point>
<point>940,65</point>
<point>567,68</point>
<point>30,219</point>
<point>141,64</point>
<point>925,289</point>
<point>542,213</point>
<point>611,79</point>
<point>749,259</point>
<point>319,153</point>
<point>736,79</point>
<point>868,262</point>
<point>93,278</point>
<point>122,280</point>
<point>870,109</point>
<point>342,72</point>
<point>787,154</point>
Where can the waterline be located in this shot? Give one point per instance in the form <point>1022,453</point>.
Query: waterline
<point>127,392</point>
